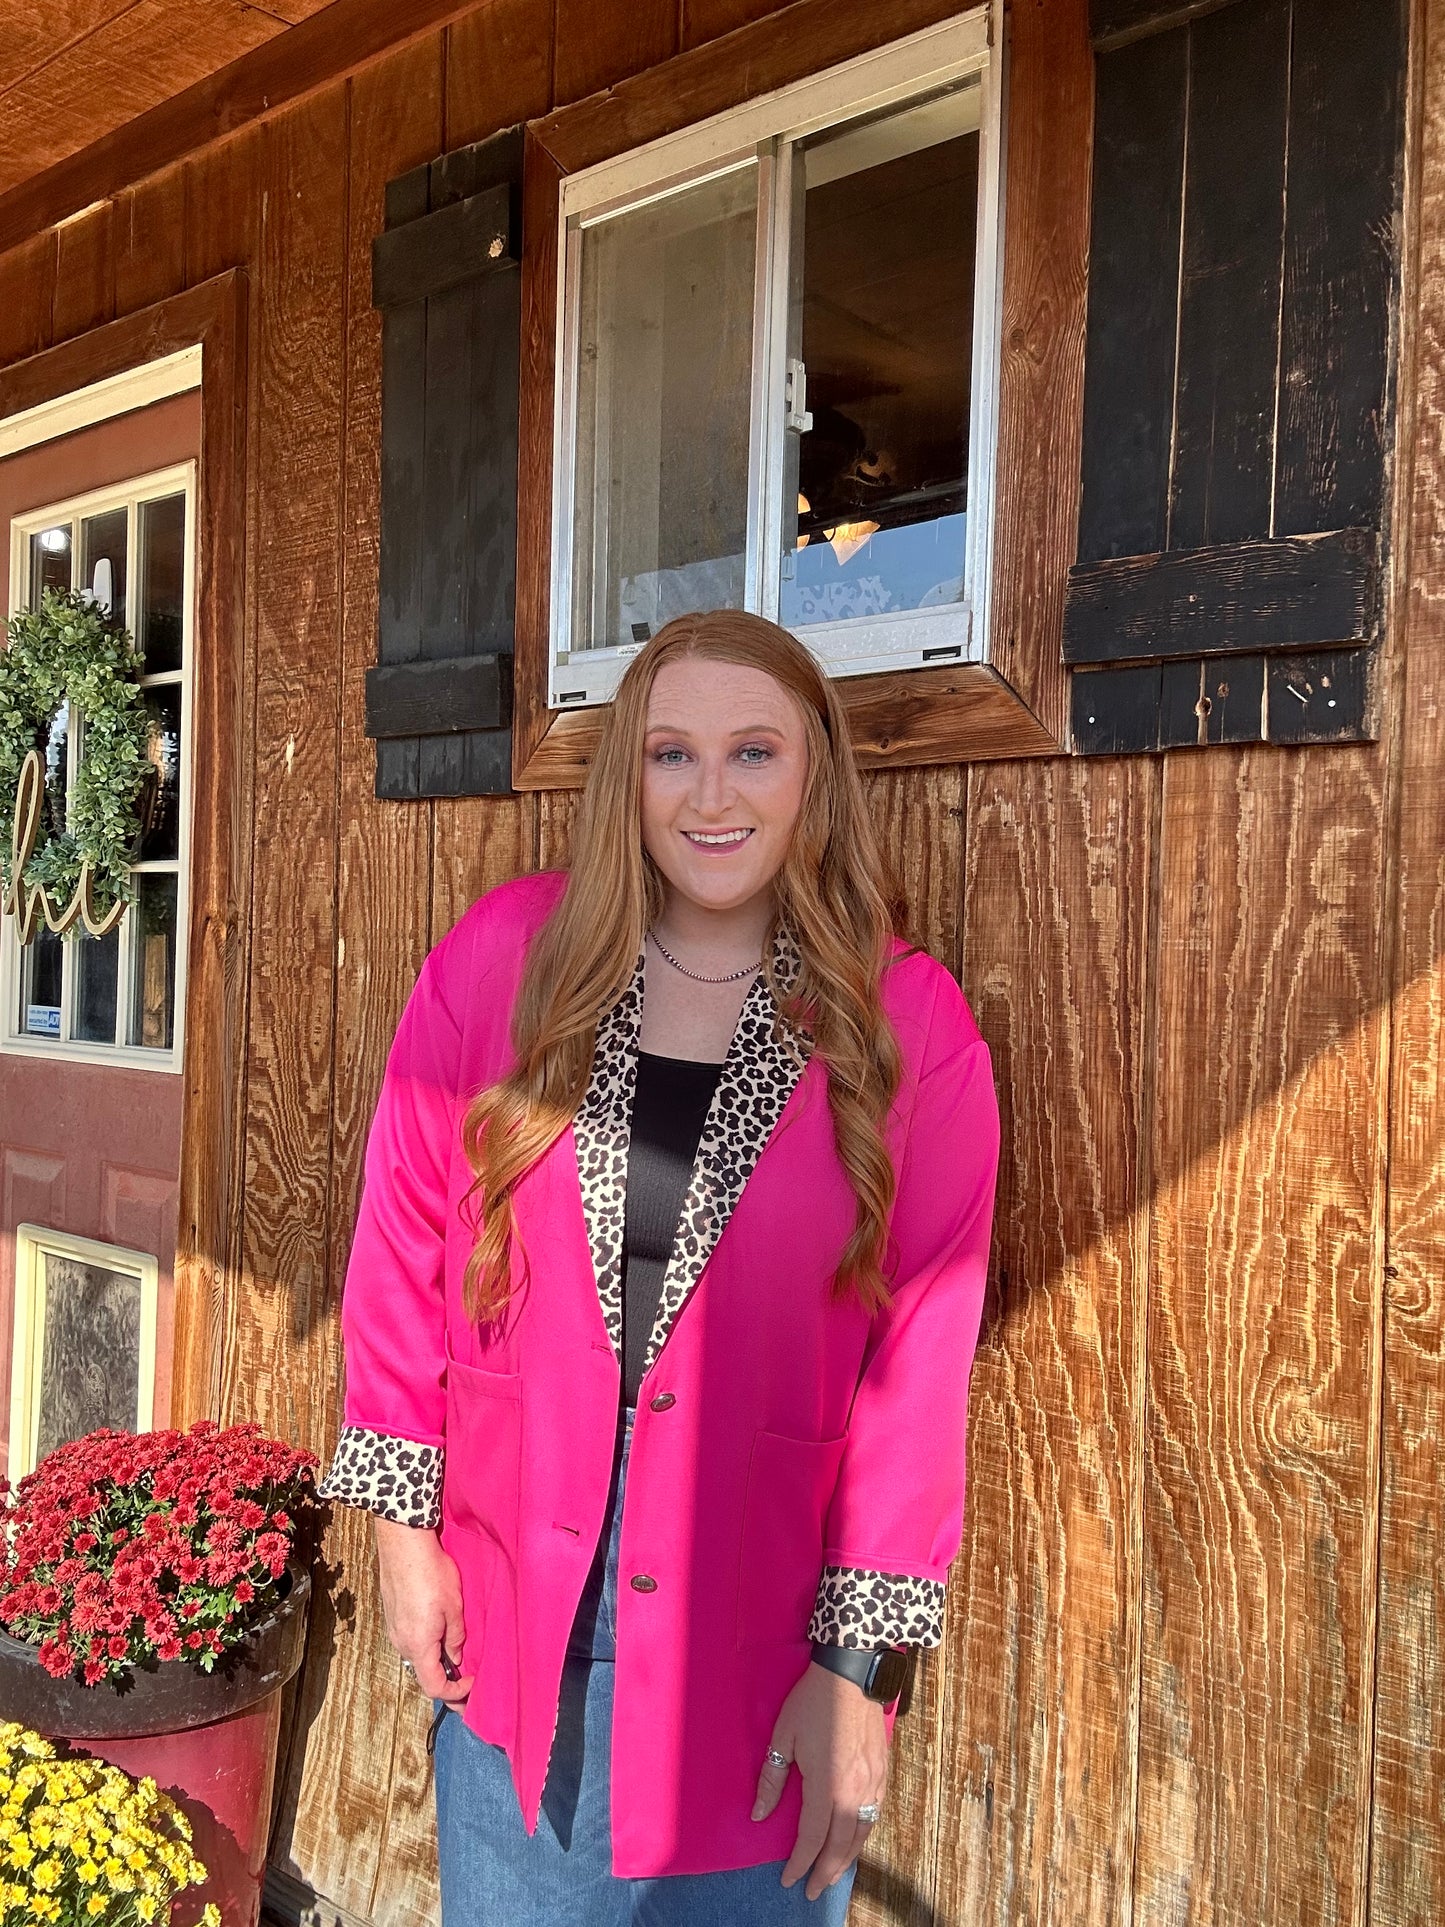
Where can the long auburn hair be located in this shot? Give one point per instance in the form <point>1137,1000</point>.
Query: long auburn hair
<point>834,889</point>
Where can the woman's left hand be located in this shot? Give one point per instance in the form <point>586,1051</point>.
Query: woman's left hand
<point>838,1740</point>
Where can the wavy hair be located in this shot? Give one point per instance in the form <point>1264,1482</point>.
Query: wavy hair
<point>835,891</point>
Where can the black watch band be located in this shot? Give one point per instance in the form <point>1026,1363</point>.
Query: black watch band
<point>881,1674</point>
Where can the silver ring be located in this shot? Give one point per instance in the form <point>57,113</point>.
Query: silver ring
<point>407,1667</point>
<point>775,1758</point>
<point>869,1812</point>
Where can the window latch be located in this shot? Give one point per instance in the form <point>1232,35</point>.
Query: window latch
<point>795,397</point>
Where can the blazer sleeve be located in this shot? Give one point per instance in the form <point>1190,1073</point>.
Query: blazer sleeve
<point>895,1522</point>
<point>391,1452</point>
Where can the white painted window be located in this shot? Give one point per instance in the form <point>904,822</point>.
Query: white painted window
<point>777,370</point>
<point>84,1351</point>
<point>118,998</point>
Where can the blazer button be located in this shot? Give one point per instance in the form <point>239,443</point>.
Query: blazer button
<point>643,1582</point>
<point>663,1400</point>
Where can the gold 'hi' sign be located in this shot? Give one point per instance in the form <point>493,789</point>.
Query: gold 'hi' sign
<point>29,902</point>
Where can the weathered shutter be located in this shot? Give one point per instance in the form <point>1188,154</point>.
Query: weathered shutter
<point>445,275</point>
<point>1237,389</point>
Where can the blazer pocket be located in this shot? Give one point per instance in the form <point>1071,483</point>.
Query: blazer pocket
<point>790,1485</point>
<point>481,1487</point>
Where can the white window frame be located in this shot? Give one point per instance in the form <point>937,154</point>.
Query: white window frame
<point>33,1244</point>
<point>761,133</point>
<point>179,478</point>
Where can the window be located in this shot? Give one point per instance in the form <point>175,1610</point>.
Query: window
<point>84,1344</point>
<point>777,339</point>
<point>117,997</point>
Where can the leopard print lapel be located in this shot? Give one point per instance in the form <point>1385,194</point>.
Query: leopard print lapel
<point>761,1070</point>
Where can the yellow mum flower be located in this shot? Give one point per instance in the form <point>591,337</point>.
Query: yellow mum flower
<point>97,1904</point>
<point>89,1872</point>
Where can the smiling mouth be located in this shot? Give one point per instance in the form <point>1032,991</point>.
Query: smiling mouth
<point>717,839</point>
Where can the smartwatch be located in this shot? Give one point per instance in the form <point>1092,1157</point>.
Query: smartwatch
<point>882,1674</point>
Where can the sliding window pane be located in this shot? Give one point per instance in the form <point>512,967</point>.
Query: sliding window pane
<point>153,987</point>
<point>162,575</point>
<point>886,329</point>
<point>664,383</point>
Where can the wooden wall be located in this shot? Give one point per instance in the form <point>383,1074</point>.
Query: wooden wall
<point>1193,1663</point>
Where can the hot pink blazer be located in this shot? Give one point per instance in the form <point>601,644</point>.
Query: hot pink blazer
<point>795,1467</point>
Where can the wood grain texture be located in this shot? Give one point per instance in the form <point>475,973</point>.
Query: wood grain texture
<point>1264,1337</point>
<point>710,19</point>
<point>84,274</point>
<point>597,46</point>
<point>37,30</point>
<point>149,240</point>
<point>1407,1844</point>
<point>336,40</point>
<point>27,297</point>
<point>920,818</point>
<point>499,68</point>
<point>332,1820</point>
<point>1036,1743</point>
<point>147,52</point>
<point>1041,377</point>
<point>277,1353</point>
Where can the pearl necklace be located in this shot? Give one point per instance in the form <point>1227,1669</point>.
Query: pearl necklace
<point>696,975</point>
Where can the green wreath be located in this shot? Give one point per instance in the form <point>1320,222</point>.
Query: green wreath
<point>68,650</point>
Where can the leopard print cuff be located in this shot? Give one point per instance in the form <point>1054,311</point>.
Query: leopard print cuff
<point>397,1478</point>
<point>863,1608</point>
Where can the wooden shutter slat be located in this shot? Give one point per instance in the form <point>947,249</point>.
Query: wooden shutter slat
<point>1296,592</point>
<point>1346,99</point>
<point>428,698</point>
<point>1233,230</point>
<point>1133,288</point>
<point>443,249</point>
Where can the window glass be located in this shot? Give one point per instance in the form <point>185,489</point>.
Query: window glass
<point>102,560</point>
<point>90,1358</point>
<point>162,581</point>
<point>153,954</point>
<point>49,561</point>
<point>161,806</point>
<point>40,981</point>
<point>663,401</point>
<point>97,960</point>
<point>883,321</point>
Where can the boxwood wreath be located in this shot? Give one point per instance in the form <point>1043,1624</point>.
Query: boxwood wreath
<point>69,650</point>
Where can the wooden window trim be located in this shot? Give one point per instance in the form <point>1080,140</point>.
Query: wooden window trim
<point>212,314</point>
<point>1017,704</point>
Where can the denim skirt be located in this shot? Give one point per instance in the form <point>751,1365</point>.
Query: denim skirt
<point>493,1871</point>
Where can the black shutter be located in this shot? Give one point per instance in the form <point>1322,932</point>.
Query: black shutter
<point>1237,388</point>
<point>445,275</point>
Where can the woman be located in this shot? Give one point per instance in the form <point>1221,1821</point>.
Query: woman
<point>680,1183</point>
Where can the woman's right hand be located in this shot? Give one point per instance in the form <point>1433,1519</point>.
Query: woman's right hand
<point>421,1595</point>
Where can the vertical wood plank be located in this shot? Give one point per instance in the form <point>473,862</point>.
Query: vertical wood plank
<point>919,815</point>
<point>84,273</point>
<point>556,816</point>
<point>1041,377</point>
<point>1036,1815</point>
<point>336,1811</point>
<point>1264,1339</point>
<point>27,297</point>
<point>1139,118</point>
<point>1407,1858</point>
<point>499,68</point>
<point>598,46</point>
<point>277,1365</point>
<point>150,240</point>
<point>1229,277</point>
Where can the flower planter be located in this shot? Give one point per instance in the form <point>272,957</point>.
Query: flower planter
<point>207,1739</point>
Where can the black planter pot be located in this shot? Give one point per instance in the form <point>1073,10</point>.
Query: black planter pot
<point>168,1697</point>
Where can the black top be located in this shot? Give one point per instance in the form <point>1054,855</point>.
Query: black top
<point>668,1113</point>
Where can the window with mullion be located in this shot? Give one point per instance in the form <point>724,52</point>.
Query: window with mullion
<point>775,385</point>
<point>130,549</point>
